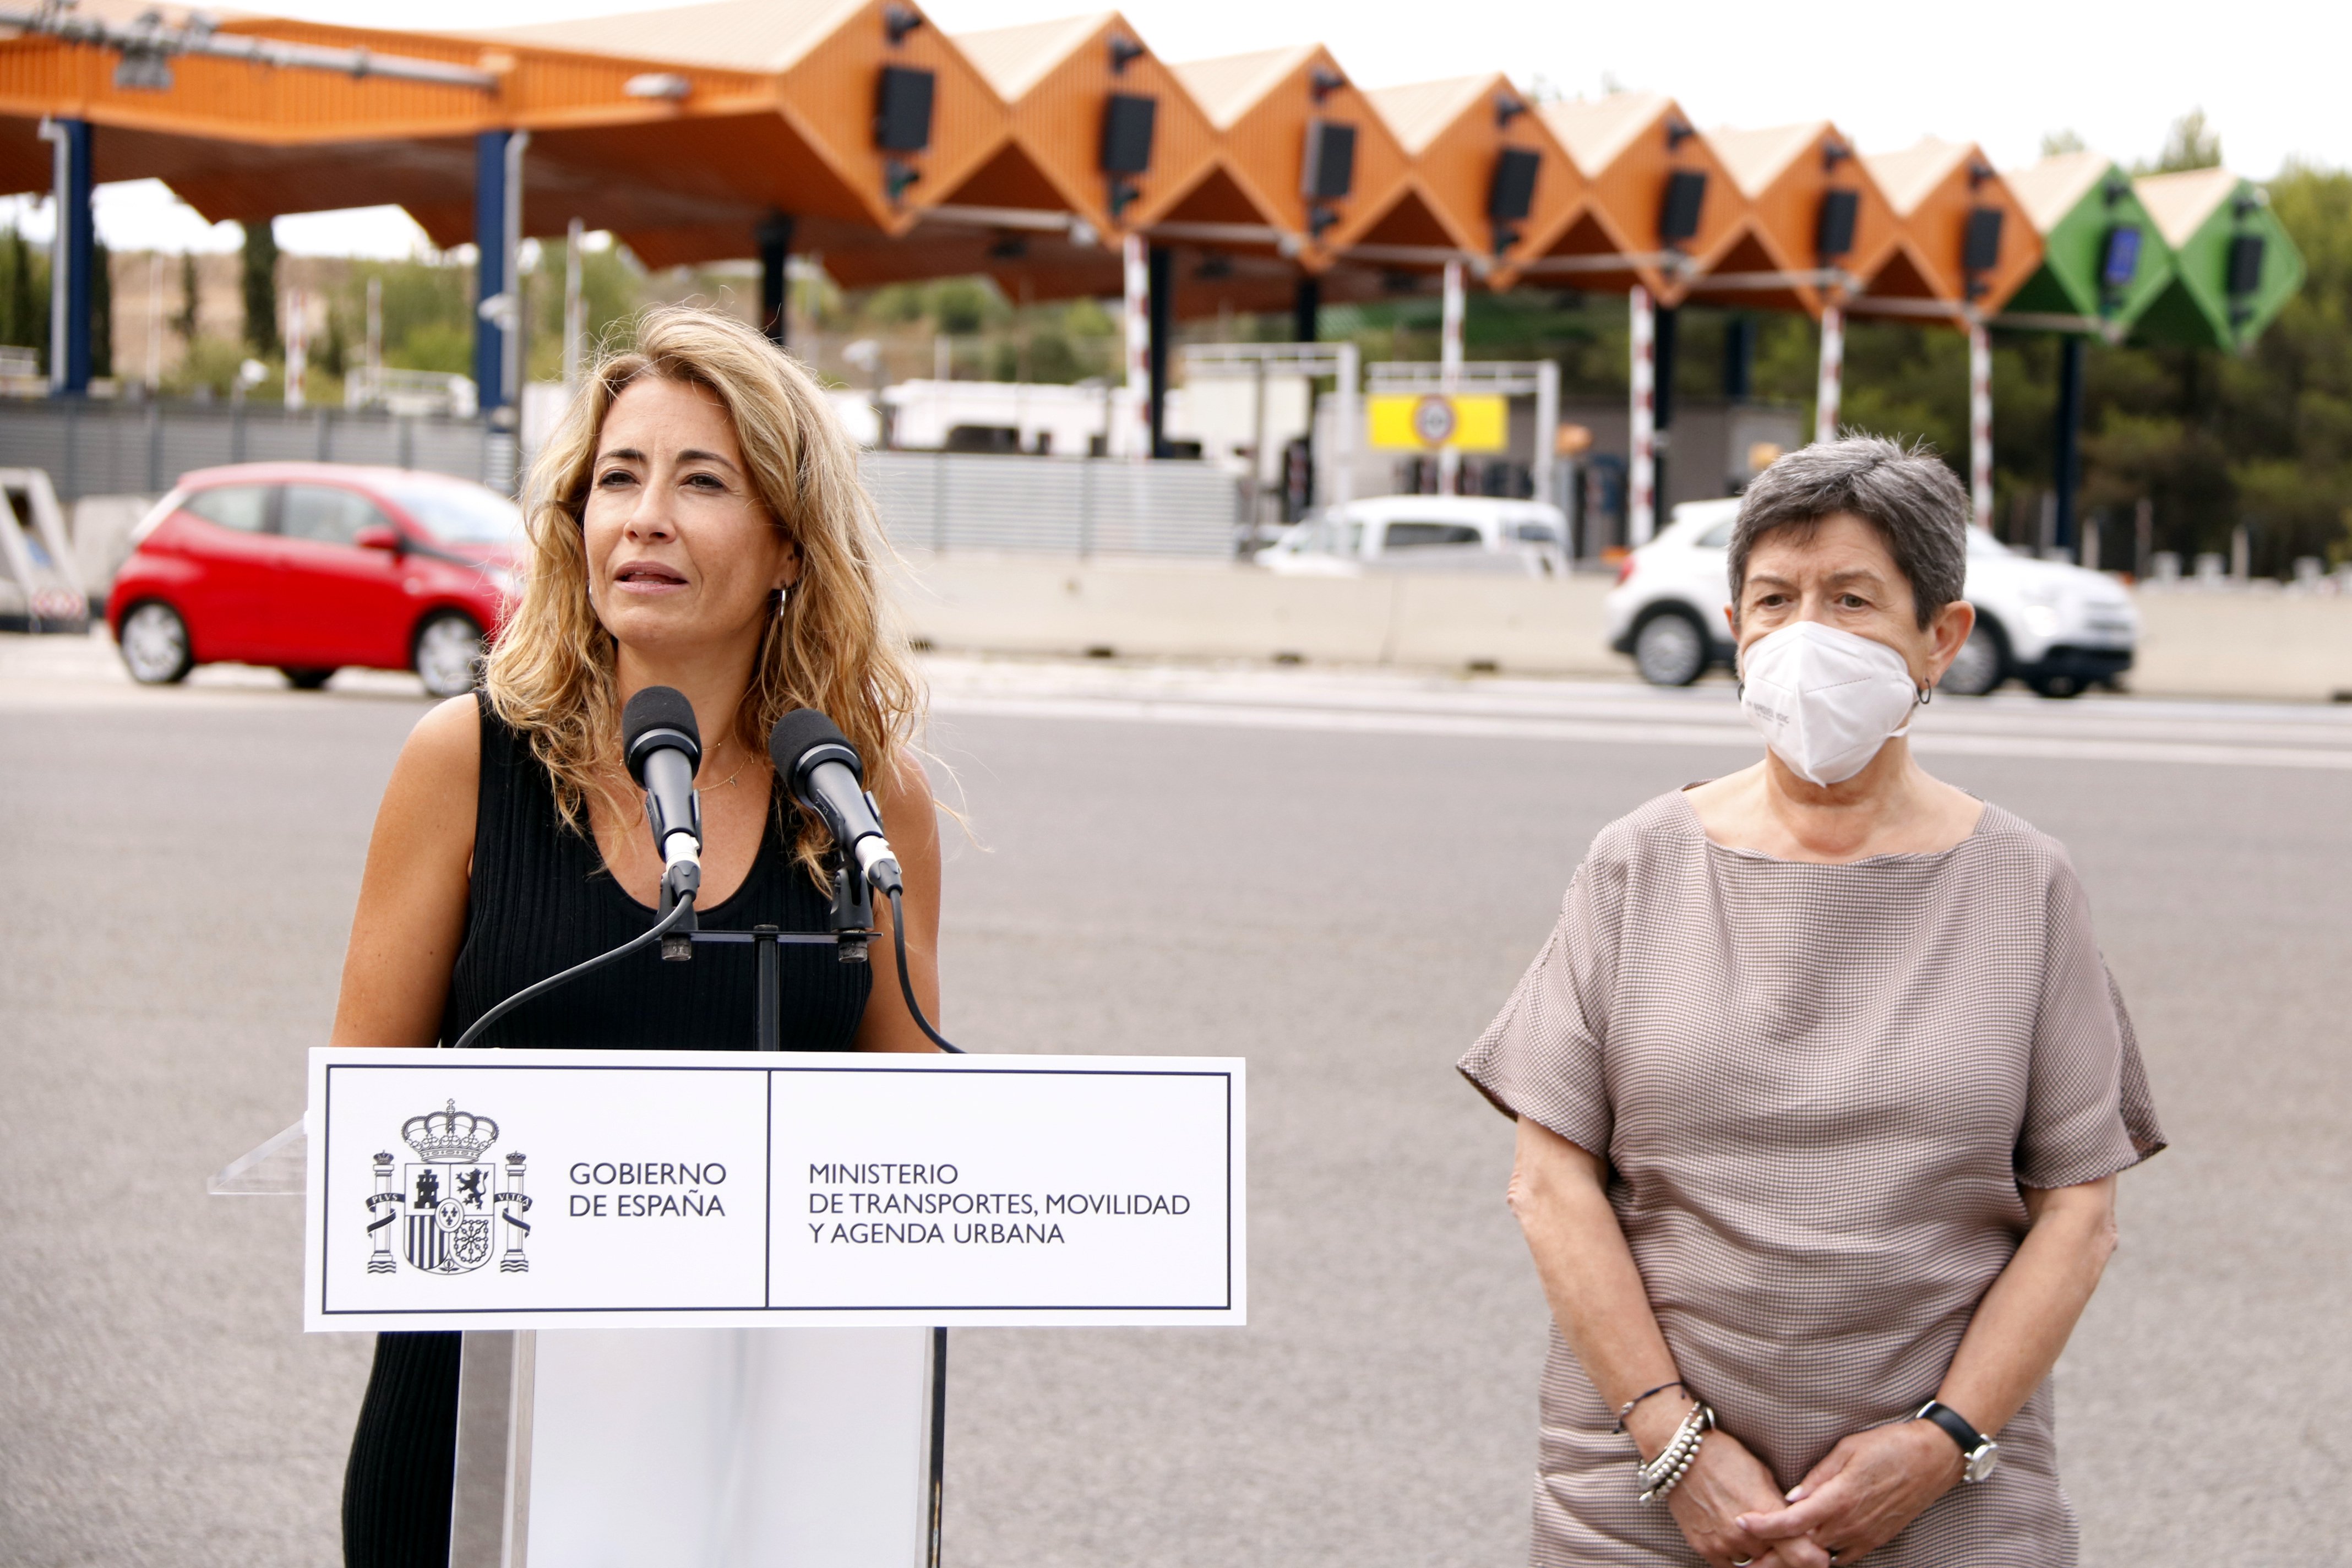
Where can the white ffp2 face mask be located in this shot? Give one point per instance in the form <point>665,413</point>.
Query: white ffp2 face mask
<point>1823,699</point>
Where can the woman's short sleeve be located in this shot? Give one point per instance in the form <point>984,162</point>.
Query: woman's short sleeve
<point>1542,1055</point>
<point>2088,1113</point>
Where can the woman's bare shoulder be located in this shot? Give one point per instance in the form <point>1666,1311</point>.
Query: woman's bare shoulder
<point>906,800</point>
<point>447,742</point>
<point>433,783</point>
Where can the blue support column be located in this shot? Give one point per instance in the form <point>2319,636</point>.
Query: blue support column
<point>774,237</point>
<point>489,266</point>
<point>1739,357</point>
<point>1162,318</point>
<point>70,261</point>
<point>2066,472</point>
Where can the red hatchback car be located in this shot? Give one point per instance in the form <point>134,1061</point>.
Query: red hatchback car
<point>314,567</point>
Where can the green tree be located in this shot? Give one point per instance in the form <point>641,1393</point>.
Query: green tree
<point>334,349</point>
<point>24,294</point>
<point>428,313</point>
<point>185,319</point>
<point>101,310</point>
<point>2190,146</point>
<point>261,279</point>
<point>612,291</point>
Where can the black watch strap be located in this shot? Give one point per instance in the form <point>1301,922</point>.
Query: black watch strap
<point>1955,1425</point>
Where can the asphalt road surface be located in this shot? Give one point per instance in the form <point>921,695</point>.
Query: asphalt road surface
<point>1337,877</point>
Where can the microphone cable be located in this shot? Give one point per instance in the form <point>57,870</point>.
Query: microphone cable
<point>660,927</point>
<point>678,912</point>
<point>906,981</point>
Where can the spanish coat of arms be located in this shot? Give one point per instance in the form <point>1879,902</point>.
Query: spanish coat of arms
<point>453,1208</point>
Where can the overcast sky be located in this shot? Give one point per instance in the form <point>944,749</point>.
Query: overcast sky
<point>2269,74</point>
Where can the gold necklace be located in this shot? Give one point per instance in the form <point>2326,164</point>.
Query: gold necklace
<point>706,789</point>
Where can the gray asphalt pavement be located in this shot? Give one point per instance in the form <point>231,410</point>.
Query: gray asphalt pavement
<point>1337,877</point>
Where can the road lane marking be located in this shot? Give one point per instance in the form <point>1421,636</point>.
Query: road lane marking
<point>1730,735</point>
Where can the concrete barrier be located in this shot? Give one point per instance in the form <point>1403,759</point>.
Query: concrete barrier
<point>1183,609</point>
<point>2244,643</point>
<point>2247,643</point>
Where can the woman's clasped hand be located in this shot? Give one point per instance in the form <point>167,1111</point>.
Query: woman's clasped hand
<point>1860,1495</point>
<point>1725,1487</point>
<point>1856,1499</point>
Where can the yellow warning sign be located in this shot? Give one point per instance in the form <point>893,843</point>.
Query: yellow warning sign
<point>1430,422</point>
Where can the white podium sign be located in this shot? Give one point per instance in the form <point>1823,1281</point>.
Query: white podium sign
<point>726,1189</point>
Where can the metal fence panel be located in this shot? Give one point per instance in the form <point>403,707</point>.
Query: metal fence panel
<point>1163,509</point>
<point>928,500</point>
<point>446,447</point>
<point>132,448</point>
<point>187,442</point>
<point>365,441</point>
<point>1053,506</point>
<point>35,443</point>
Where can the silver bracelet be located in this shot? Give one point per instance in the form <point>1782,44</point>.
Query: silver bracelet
<point>1663,1474</point>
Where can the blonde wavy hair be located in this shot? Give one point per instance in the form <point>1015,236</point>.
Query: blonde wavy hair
<point>831,647</point>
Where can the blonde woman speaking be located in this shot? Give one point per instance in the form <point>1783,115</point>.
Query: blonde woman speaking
<point>697,522</point>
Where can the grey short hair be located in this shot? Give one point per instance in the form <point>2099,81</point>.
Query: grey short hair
<point>1905,492</point>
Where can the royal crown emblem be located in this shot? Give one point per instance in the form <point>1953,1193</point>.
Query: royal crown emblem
<point>453,1136</point>
<point>448,1197</point>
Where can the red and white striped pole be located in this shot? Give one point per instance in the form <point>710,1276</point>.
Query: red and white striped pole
<point>1135,441</point>
<point>1641,471</point>
<point>1828,391</point>
<point>1449,371</point>
<point>1980,424</point>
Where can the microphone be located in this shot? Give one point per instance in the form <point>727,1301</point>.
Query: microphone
<point>822,769</point>
<point>664,748</point>
<point>816,760</point>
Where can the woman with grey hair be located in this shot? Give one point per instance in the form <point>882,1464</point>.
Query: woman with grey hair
<point>1822,1089</point>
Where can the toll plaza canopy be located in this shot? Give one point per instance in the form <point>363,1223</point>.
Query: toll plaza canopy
<point>1817,222</point>
<point>1962,237</point>
<point>2104,261</point>
<point>1659,206</point>
<point>2234,267</point>
<point>1304,142</point>
<point>855,130</point>
<point>1487,170</point>
<point>862,117</point>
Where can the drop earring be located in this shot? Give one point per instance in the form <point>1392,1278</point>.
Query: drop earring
<point>783,597</point>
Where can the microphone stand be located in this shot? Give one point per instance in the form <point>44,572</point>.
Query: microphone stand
<point>850,917</point>
<point>851,922</point>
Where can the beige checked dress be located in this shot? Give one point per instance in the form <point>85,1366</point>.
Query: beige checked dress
<point>1818,1090</point>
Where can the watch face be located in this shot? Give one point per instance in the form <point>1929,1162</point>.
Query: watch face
<point>1981,1462</point>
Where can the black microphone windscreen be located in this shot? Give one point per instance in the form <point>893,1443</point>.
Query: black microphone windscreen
<point>798,733</point>
<point>656,708</point>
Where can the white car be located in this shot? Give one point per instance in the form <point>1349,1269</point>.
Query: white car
<point>1425,534</point>
<point>2059,629</point>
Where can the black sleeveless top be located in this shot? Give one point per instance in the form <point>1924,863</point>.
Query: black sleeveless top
<point>541,901</point>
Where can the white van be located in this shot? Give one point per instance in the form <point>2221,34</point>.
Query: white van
<point>1424,533</point>
<point>2055,627</point>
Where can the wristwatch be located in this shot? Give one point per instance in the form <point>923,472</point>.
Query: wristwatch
<point>1979,1452</point>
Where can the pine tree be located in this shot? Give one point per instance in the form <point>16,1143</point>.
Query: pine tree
<point>101,310</point>
<point>23,313</point>
<point>184,320</point>
<point>261,288</point>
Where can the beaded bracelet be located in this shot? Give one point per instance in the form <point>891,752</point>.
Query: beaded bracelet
<point>1663,1474</point>
<point>1628,1410</point>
